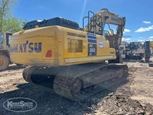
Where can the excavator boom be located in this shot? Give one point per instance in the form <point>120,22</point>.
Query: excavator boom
<point>97,22</point>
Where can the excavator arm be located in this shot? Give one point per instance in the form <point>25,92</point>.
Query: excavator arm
<point>97,22</point>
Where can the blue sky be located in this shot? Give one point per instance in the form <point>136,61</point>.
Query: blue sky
<point>138,13</point>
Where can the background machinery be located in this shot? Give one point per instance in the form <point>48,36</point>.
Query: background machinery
<point>135,50</point>
<point>69,59</point>
<point>151,45</point>
<point>4,50</point>
<point>147,51</point>
<point>151,54</point>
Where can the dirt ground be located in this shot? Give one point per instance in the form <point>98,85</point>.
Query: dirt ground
<point>133,98</point>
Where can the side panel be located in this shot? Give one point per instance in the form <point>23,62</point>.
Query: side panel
<point>58,46</point>
<point>103,48</point>
<point>37,47</point>
<point>83,47</point>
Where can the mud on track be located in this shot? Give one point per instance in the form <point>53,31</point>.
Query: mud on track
<point>131,97</point>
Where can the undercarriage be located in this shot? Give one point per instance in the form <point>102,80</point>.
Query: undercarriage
<point>77,82</point>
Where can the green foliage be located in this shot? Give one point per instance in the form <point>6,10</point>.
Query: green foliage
<point>7,21</point>
<point>12,24</point>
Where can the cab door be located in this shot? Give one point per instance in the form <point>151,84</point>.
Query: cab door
<point>8,39</point>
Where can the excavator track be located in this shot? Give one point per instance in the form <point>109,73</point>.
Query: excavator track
<point>78,82</point>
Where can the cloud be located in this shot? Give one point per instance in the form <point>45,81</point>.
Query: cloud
<point>147,22</point>
<point>140,37</point>
<point>142,29</point>
<point>141,40</point>
<point>126,30</point>
<point>126,39</point>
<point>126,36</point>
<point>151,37</point>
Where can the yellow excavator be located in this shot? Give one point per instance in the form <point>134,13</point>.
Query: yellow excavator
<point>74,62</point>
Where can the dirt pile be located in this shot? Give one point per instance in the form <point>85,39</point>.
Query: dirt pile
<point>123,105</point>
<point>129,99</point>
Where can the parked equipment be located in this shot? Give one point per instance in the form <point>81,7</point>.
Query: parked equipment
<point>135,50</point>
<point>69,59</point>
<point>147,51</point>
<point>4,50</point>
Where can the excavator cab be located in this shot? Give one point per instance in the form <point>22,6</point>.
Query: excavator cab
<point>5,38</point>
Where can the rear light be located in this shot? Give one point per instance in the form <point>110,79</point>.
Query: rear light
<point>49,53</point>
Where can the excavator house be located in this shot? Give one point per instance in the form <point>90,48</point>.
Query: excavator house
<point>74,62</point>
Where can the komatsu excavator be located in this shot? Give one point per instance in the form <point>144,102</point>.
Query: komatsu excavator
<point>74,62</point>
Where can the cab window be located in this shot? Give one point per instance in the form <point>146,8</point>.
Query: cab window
<point>8,38</point>
<point>1,38</point>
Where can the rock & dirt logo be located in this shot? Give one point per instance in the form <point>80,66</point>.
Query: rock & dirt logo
<point>20,104</point>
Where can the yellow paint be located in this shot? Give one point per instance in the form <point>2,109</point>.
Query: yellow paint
<point>57,39</point>
<point>87,59</point>
<point>151,44</point>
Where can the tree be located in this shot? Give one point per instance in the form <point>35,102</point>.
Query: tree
<point>7,21</point>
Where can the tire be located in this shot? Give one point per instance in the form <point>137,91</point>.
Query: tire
<point>4,62</point>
